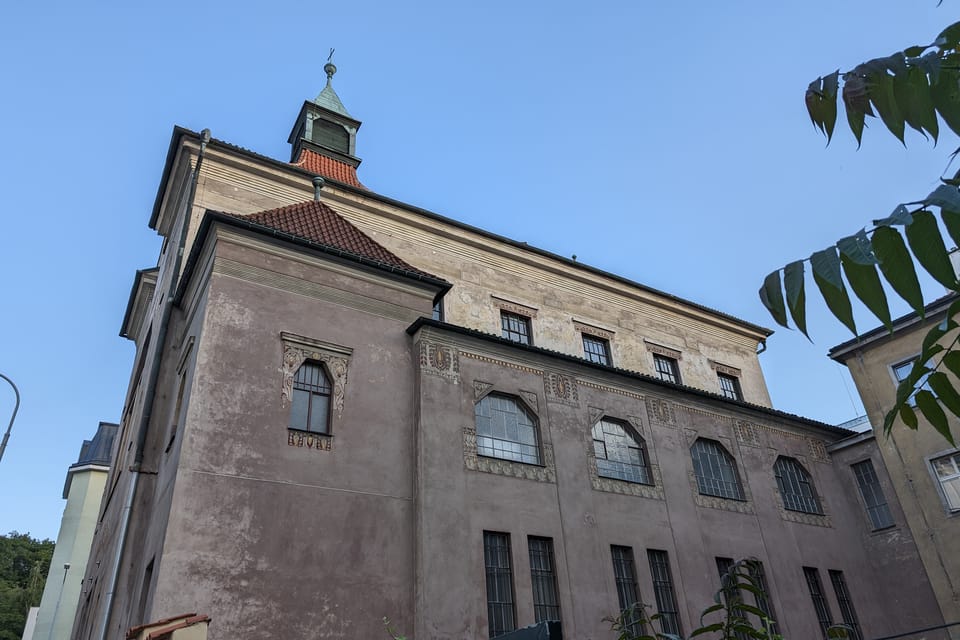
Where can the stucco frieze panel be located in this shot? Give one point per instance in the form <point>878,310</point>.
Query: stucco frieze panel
<point>299,349</point>
<point>480,388</point>
<point>818,451</point>
<point>310,441</point>
<point>560,388</point>
<point>610,389</point>
<point>748,433</point>
<point>440,360</point>
<point>501,363</point>
<point>661,412</point>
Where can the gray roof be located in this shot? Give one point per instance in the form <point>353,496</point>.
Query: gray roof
<point>98,449</point>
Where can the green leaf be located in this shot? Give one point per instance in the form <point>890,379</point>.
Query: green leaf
<point>946,98</point>
<point>866,284</point>
<point>856,102</point>
<point>796,297</point>
<point>829,104</point>
<point>928,405</point>
<point>814,101</point>
<point>901,216</point>
<point>944,196</point>
<point>951,220</point>
<point>949,38</point>
<point>857,248</point>
<point>897,266</point>
<point>772,298</point>
<point>880,87</point>
<point>710,628</point>
<point>947,394</point>
<point>908,416</point>
<point>952,361</point>
<point>826,274</point>
<point>913,52</point>
<point>912,94</point>
<point>925,241</point>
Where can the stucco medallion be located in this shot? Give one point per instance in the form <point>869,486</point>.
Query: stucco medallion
<point>661,412</point>
<point>560,388</point>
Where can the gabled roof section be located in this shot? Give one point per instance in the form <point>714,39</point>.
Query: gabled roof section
<point>328,167</point>
<point>328,99</point>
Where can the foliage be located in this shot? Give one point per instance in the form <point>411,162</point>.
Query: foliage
<point>24,563</point>
<point>911,87</point>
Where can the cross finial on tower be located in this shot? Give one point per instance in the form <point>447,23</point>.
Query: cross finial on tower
<point>330,68</point>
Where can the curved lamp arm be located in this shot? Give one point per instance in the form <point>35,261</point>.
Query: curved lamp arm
<point>16,407</point>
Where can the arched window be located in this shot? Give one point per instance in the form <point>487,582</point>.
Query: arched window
<point>505,429</point>
<point>620,453</point>
<point>715,470</point>
<point>796,487</point>
<point>310,407</point>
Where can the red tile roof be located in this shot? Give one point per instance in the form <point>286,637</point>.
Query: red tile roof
<point>328,167</point>
<point>319,224</point>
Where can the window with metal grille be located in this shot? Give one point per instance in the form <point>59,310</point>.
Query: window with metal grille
<point>596,349</point>
<point>796,487</point>
<point>310,406</point>
<point>872,494</point>
<point>501,616</point>
<point>731,596</point>
<point>762,598</point>
<point>820,604</point>
<point>715,470</point>
<point>628,591</point>
<point>543,576</point>
<point>730,386</point>
<point>515,327</point>
<point>505,429</point>
<point>947,469</point>
<point>619,452</point>
<point>667,368</point>
<point>663,591</point>
<point>847,612</point>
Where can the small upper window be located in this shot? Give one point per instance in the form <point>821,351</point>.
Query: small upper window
<point>795,486</point>
<point>438,310</point>
<point>515,327</point>
<point>620,454</point>
<point>715,470</point>
<point>730,386</point>
<point>902,371</point>
<point>947,469</point>
<point>596,349</point>
<point>667,368</point>
<point>310,408</point>
<point>505,429</point>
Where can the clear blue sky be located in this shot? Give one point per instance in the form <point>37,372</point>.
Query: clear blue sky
<point>666,142</point>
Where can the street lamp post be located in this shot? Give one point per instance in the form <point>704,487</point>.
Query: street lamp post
<point>6,436</point>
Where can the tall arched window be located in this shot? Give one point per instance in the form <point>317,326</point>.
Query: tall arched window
<point>620,453</point>
<point>796,487</point>
<point>310,407</point>
<point>715,470</point>
<point>505,429</point>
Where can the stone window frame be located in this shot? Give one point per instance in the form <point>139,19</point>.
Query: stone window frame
<point>729,372</point>
<point>813,519</point>
<point>599,334</point>
<point>653,491</point>
<point>516,309</point>
<point>803,476</point>
<point>333,358</point>
<point>949,511</point>
<point>746,505</point>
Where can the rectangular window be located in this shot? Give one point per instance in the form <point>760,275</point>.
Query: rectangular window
<point>902,370</point>
<point>762,599</point>
<point>438,310</point>
<point>733,596</point>
<point>730,386</point>
<point>667,368</point>
<point>628,592</point>
<point>596,349</point>
<point>947,469</point>
<point>663,591</point>
<point>515,327</point>
<point>820,604</point>
<point>501,617</point>
<point>872,494</point>
<point>543,575</point>
<point>846,604</point>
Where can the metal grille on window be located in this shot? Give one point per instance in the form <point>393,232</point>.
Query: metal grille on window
<point>667,368</point>
<point>543,576</point>
<point>847,611</point>
<point>819,600</point>
<point>596,349</point>
<point>732,597</point>
<point>310,406</point>
<point>628,592</point>
<point>947,469</point>
<point>730,386</point>
<point>515,327</point>
<point>619,453</point>
<point>663,591</point>
<point>872,494</point>
<point>762,599</point>
<point>715,470</point>
<point>795,486</point>
<point>496,558</point>
<point>506,430</point>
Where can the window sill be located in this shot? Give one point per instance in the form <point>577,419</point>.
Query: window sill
<point>511,460</point>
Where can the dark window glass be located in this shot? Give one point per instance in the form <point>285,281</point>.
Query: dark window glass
<point>763,600</point>
<point>543,575</point>
<point>846,604</point>
<point>596,349</point>
<point>715,470</point>
<point>619,453</point>
<point>820,604</point>
<point>667,368</point>
<point>663,591</point>
<point>438,310</point>
<point>506,430</point>
<point>872,493</point>
<point>730,386</point>
<point>310,407</point>
<point>628,591</point>
<point>496,560</point>
<point>515,327</point>
<point>796,487</point>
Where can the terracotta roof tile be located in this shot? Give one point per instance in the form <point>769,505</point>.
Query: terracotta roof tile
<point>328,168</point>
<point>318,223</point>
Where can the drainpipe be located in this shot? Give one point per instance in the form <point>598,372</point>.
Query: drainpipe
<point>151,388</point>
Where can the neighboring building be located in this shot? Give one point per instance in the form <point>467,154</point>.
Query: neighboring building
<point>83,491</point>
<point>924,467</point>
<point>344,407</point>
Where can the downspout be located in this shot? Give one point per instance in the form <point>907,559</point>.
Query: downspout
<point>151,388</point>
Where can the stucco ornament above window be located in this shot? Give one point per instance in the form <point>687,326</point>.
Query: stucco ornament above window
<point>298,349</point>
